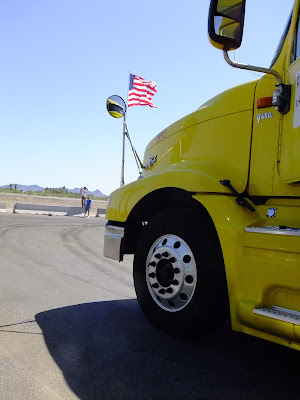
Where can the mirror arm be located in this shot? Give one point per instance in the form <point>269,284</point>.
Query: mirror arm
<point>281,95</point>
<point>252,67</point>
<point>122,182</point>
<point>137,159</point>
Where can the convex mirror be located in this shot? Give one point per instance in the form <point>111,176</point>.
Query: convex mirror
<point>226,23</point>
<point>116,106</point>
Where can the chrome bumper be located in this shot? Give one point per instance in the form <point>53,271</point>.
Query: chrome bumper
<point>113,236</point>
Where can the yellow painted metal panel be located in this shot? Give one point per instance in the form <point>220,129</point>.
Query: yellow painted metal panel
<point>289,156</point>
<point>264,150</point>
<point>235,100</point>
<point>261,269</point>
<point>289,162</point>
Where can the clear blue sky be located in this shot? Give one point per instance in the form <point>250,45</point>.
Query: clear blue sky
<point>61,60</point>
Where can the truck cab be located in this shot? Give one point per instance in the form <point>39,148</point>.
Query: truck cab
<point>214,221</point>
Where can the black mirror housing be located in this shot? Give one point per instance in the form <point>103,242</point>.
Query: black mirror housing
<point>226,23</point>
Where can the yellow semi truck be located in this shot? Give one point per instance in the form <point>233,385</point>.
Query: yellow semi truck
<point>214,223</point>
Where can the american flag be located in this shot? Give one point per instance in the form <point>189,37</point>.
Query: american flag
<point>140,91</point>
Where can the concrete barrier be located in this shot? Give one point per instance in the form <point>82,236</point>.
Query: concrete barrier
<point>21,208</point>
<point>3,208</point>
<point>101,212</point>
<point>75,211</point>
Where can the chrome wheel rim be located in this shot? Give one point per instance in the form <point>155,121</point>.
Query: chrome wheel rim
<point>171,273</point>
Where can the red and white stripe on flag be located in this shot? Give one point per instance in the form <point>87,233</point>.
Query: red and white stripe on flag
<point>140,91</point>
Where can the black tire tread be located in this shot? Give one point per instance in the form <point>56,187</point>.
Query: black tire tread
<point>209,306</point>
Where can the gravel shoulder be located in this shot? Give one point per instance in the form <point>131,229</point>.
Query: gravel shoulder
<point>12,198</point>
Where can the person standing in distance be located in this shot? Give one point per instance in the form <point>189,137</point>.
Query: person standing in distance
<point>83,196</point>
<point>88,206</point>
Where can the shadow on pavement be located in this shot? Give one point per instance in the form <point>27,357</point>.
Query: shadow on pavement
<point>108,350</point>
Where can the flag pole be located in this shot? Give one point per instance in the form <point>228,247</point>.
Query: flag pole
<point>136,157</point>
<point>123,151</point>
<point>124,134</point>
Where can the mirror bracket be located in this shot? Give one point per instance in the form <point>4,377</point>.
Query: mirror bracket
<point>282,93</point>
<point>282,98</point>
<point>252,67</point>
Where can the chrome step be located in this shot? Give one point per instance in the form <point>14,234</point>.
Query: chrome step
<point>282,314</point>
<point>274,230</point>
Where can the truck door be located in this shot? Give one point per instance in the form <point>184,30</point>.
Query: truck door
<point>289,152</point>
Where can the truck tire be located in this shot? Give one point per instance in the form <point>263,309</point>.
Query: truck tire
<point>179,274</point>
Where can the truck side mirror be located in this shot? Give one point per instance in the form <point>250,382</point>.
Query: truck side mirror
<point>226,23</point>
<point>116,106</point>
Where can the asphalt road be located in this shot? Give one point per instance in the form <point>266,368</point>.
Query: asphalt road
<point>71,328</point>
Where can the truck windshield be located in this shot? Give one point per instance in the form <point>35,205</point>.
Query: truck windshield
<point>281,42</point>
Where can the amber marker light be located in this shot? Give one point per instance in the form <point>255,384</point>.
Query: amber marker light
<point>264,102</point>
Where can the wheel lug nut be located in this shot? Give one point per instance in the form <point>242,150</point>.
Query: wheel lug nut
<point>187,258</point>
<point>176,270</point>
<point>172,259</point>
<point>155,285</point>
<point>153,264</point>
<point>162,291</point>
<point>158,256</point>
<point>165,254</point>
<point>175,282</point>
<point>152,275</point>
<point>169,290</point>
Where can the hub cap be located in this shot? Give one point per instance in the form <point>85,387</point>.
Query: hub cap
<point>171,273</point>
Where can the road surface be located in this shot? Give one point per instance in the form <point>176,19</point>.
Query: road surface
<point>71,328</point>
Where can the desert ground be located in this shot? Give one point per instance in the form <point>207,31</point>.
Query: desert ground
<point>12,198</point>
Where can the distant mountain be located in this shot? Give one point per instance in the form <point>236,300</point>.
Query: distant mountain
<point>24,188</point>
<point>36,188</point>
<point>97,193</point>
<point>75,190</point>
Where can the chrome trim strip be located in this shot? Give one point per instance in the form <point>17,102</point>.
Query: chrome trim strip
<point>113,236</point>
<point>280,313</point>
<point>273,230</point>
